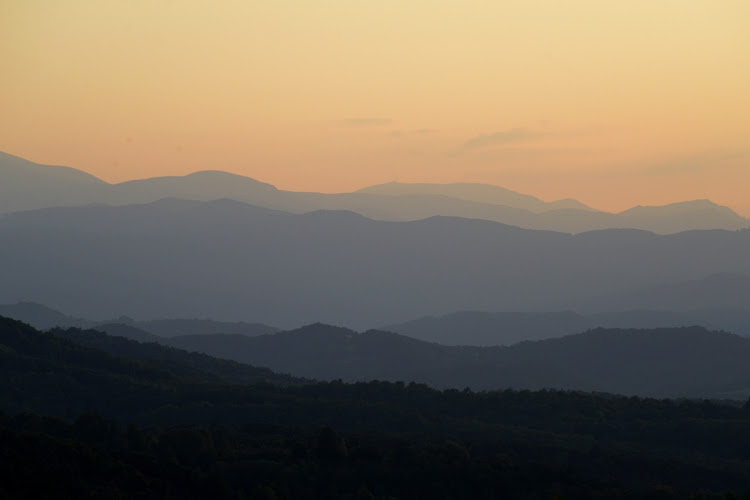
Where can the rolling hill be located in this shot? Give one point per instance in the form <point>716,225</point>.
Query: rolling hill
<point>229,260</point>
<point>26,185</point>
<point>103,425</point>
<point>669,362</point>
<point>182,363</point>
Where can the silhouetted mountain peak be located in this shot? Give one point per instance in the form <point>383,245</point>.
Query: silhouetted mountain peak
<point>319,329</point>
<point>205,179</point>
<point>568,204</point>
<point>17,166</point>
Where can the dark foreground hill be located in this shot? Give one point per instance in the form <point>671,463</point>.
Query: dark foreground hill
<point>334,440</point>
<point>228,260</point>
<point>667,362</point>
<point>53,375</point>
<point>180,362</point>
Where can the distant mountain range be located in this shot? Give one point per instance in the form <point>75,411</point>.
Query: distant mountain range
<point>476,328</point>
<point>225,259</point>
<point>44,318</point>
<point>673,362</point>
<point>477,193</point>
<point>467,328</point>
<point>719,301</point>
<point>27,185</point>
<point>689,362</point>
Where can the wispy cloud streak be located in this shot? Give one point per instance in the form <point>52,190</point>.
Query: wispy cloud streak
<point>511,136</point>
<point>364,122</point>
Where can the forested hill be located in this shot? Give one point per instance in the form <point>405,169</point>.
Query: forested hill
<point>662,362</point>
<point>336,440</point>
<point>180,362</point>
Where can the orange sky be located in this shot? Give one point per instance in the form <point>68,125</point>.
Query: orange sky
<point>612,103</point>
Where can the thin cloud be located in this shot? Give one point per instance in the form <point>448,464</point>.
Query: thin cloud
<point>364,122</point>
<point>709,160</point>
<point>511,136</point>
<point>698,163</point>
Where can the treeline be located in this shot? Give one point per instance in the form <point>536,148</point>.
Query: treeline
<point>162,431</point>
<point>95,457</point>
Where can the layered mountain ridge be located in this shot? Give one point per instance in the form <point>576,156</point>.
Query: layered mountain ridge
<point>27,186</point>
<point>229,260</point>
<point>666,362</point>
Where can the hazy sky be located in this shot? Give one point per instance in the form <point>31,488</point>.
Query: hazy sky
<point>614,103</point>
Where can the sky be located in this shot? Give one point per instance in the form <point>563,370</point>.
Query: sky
<point>614,103</point>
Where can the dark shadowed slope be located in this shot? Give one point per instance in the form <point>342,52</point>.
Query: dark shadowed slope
<point>690,361</point>
<point>225,259</point>
<point>204,435</point>
<point>670,362</point>
<point>30,186</point>
<point>43,373</point>
<point>178,361</point>
<point>48,375</point>
<point>332,352</point>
